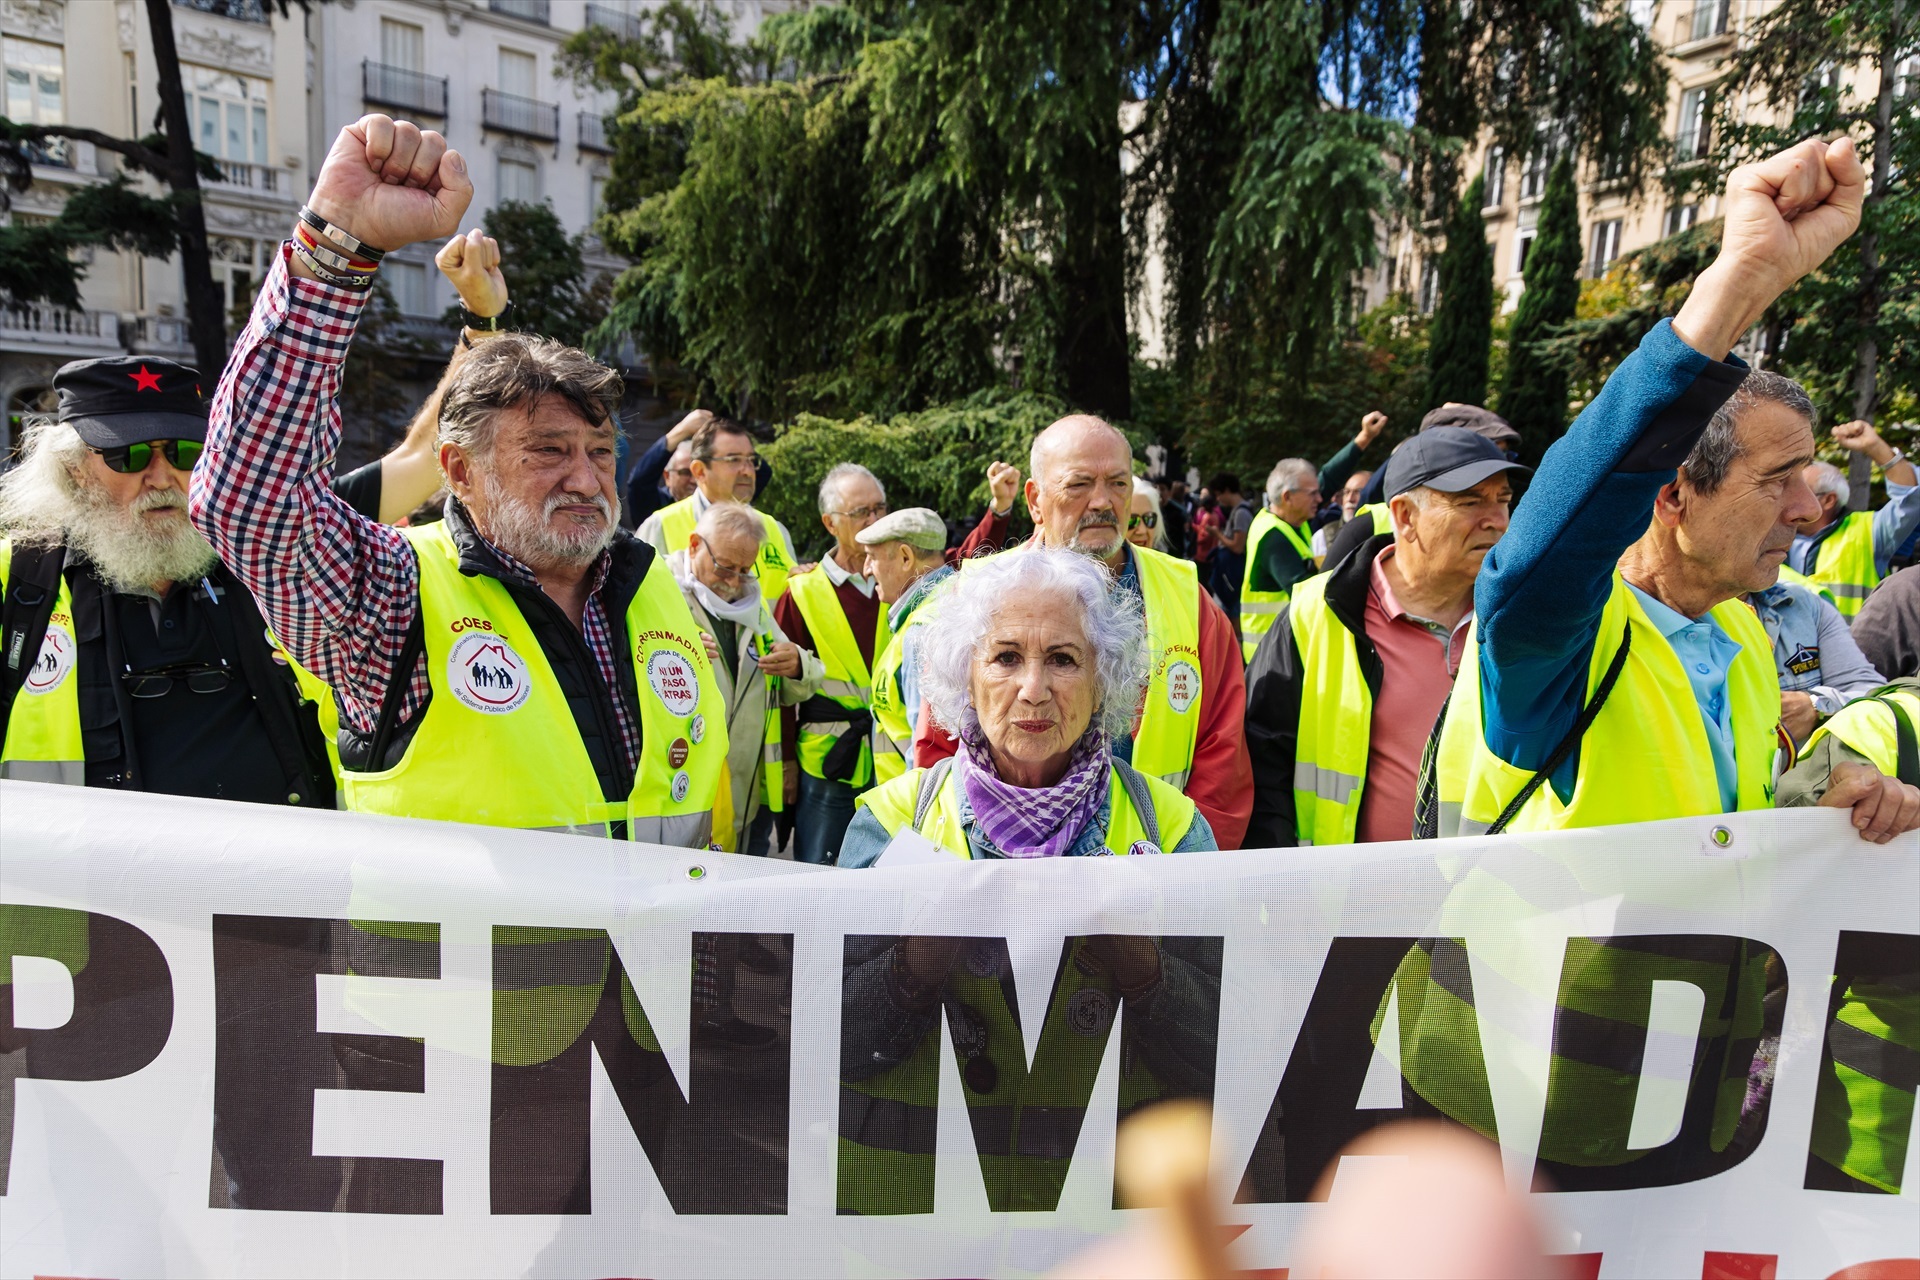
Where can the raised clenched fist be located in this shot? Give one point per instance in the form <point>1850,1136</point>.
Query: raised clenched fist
<point>389,185</point>
<point>1370,428</point>
<point>1786,213</point>
<point>471,263</point>
<point>1003,482</point>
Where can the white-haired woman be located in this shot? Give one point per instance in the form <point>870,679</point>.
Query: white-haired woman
<point>1034,664</point>
<point>1144,527</point>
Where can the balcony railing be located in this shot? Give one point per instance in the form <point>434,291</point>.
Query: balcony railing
<point>238,10</point>
<point>527,10</point>
<point>528,117</point>
<point>593,132</point>
<point>253,177</point>
<point>624,25</point>
<point>40,324</point>
<point>389,86</point>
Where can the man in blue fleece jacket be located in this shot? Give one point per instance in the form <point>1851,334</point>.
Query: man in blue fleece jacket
<point>1676,492</point>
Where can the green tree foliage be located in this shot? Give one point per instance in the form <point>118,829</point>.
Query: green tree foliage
<point>546,273</point>
<point>935,458</point>
<point>39,260</point>
<point>1533,397</point>
<point>886,205</point>
<point>1462,336</point>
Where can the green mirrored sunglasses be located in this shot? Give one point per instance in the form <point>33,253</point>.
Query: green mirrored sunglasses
<point>131,458</point>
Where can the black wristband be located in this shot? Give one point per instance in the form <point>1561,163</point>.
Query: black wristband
<point>486,324</point>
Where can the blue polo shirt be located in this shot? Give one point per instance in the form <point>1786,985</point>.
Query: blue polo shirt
<point>1706,654</point>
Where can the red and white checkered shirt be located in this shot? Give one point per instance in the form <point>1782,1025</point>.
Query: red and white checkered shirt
<point>339,590</point>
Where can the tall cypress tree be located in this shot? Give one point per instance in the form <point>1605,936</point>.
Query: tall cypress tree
<point>1534,396</point>
<point>1463,322</point>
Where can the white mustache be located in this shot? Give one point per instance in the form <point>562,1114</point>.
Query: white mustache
<point>598,501</point>
<point>159,499</point>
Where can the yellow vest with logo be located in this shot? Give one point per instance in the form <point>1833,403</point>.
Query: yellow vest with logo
<point>1336,721</point>
<point>1863,1109</point>
<point>498,745</point>
<point>893,804</point>
<point>43,742</point>
<point>848,681</point>
<point>1645,757</point>
<point>1258,609</point>
<point>771,565</point>
<point>1170,716</point>
<point>1843,567</point>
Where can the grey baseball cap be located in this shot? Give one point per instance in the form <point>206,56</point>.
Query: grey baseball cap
<point>1449,459</point>
<point>915,526</point>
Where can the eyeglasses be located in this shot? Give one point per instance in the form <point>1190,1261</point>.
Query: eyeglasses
<point>1148,518</point>
<point>159,682</point>
<point>131,458</point>
<point>736,459</point>
<point>873,512</point>
<point>726,570</point>
<point>680,471</point>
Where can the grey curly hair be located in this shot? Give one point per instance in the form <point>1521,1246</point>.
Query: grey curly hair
<point>968,601</point>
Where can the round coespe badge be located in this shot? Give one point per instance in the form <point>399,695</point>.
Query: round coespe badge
<point>1089,1011</point>
<point>486,675</point>
<point>673,681</point>
<point>1183,685</point>
<point>681,784</point>
<point>55,660</point>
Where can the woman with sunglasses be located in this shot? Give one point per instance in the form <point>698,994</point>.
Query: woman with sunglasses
<point>1144,526</point>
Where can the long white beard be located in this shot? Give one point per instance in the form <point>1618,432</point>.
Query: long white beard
<point>527,533</point>
<point>131,551</point>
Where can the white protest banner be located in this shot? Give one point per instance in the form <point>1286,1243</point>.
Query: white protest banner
<point>244,1041</point>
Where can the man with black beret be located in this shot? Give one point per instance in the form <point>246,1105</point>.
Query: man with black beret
<point>130,658</point>
<point>1343,691</point>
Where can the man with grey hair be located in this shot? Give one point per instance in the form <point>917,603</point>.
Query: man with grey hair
<point>907,559</point>
<point>1845,553</point>
<point>835,611</point>
<point>525,663</point>
<point>1274,563</point>
<point>760,670</point>
<point>1189,730</point>
<point>725,467</point>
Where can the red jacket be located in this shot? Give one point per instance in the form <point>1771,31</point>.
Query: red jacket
<point>1221,781</point>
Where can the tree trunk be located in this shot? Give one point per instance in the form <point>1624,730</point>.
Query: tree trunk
<point>206,307</point>
<point>1866,369</point>
<point>1094,355</point>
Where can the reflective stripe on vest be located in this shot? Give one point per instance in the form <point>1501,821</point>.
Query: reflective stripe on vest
<point>1843,565</point>
<point>1863,1110</point>
<point>773,758</point>
<point>893,805</point>
<point>1258,609</point>
<point>771,566</point>
<point>43,742</point>
<point>1336,721</point>
<point>1645,757</point>
<point>848,681</point>
<point>498,745</point>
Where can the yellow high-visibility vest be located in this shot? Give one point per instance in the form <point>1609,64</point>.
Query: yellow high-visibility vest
<point>771,566</point>
<point>1258,609</point>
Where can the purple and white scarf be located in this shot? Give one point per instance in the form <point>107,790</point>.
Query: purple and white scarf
<point>1038,822</point>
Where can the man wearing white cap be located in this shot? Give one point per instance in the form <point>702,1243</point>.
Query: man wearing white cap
<point>906,558</point>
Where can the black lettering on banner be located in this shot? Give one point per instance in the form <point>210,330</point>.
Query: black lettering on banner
<point>1316,1109</point>
<point>269,1058</point>
<point>1026,1118</point>
<point>562,995</point>
<point>122,1002</point>
<point>1863,1108</point>
<point>1601,1050</point>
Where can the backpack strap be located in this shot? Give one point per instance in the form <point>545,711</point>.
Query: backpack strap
<point>33,584</point>
<point>930,783</point>
<point>1907,766</point>
<point>1572,740</point>
<point>1142,797</point>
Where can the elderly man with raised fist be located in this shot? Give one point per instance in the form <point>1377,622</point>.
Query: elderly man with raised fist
<point>524,663</point>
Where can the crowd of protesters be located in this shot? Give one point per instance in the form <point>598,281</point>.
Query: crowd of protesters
<point>1685,615</point>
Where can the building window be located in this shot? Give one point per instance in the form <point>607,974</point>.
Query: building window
<point>517,72</point>
<point>1709,18</point>
<point>408,280</point>
<point>1533,178</point>
<point>1429,285</point>
<point>37,92</point>
<point>1696,110</point>
<point>596,194</point>
<point>1680,217</point>
<point>1495,177</point>
<point>403,45</point>
<point>228,115</point>
<point>1604,248</point>
<point>519,180</point>
<point>238,266</point>
<point>1521,248</point>
<point>1906,78</point>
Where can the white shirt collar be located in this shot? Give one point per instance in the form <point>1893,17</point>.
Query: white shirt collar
<point>838,576</point>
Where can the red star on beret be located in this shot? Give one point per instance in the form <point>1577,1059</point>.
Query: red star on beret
<point>144,381</point>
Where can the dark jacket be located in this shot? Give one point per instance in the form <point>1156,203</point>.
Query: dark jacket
<point>1274,680</point>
